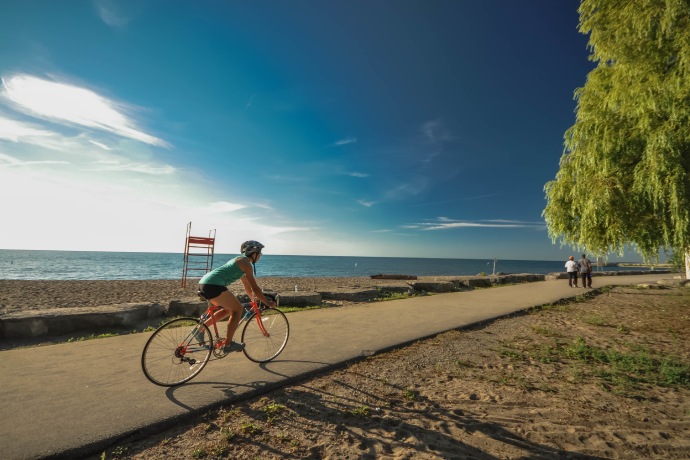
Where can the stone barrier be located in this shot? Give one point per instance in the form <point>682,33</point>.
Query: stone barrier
<point>352,295</point>
<point>434,286</point>
<point>299,299</point>
<point>56,322</point>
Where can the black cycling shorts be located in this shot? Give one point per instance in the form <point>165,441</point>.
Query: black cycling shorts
<point>211,291</point>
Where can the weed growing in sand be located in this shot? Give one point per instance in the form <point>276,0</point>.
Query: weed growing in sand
<point>199,453</point>
<point>228,435</point>
<point>361,411</point>
<point>461,363</point>
<point>250,428</point>
<point>116,453</point>
<point>410,395</point>
<point>546,332</point>
<point>511,354</point>
<point>595,320</point>
<point>272,410</point>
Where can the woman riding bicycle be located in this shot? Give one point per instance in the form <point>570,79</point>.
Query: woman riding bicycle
<point>212,287</point>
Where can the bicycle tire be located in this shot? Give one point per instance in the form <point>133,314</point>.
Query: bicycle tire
<point>262,348</point>
<point>172,356</point>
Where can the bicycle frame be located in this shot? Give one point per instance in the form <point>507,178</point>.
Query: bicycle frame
<point>253,312</point>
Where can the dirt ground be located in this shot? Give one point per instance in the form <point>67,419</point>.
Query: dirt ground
<point>602,377</point>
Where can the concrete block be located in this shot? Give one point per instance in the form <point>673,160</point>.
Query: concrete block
<point>434,286</point>
<point>401,289</point>
<point>354,295</point>
<point>186,308</point>
<point>299,299</point>
<point>478,282</point>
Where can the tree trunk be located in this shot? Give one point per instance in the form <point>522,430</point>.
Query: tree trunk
<point>687,264</point>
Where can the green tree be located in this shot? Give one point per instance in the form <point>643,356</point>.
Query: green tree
<point>624,175</point>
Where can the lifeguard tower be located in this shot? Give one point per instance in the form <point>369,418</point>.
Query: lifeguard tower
<point>198,254</point>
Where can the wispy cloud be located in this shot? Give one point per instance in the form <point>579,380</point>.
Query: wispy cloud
<point>444,223</point>
<point>249,102</point>
<point>110,13</point>
<point>436,131</point>
<point>366,203</point>
<point>61,102</point>
<point>100,144</point>
<point>358,174</point>
<point>346,141</point>
<point>413,187</point>
<point>468,198</point>
<point>17,131</point>
<point>7,160</point>
<point>221,207</point>
<point>143,168</point>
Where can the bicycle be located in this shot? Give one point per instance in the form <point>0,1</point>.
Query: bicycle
<point>177,351</point>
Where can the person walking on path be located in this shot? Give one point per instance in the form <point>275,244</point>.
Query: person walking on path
<point>571,268</point>
<point>585,267</point>
<point>212,287</point>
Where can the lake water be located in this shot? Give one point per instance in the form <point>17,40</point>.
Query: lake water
<point>76,265</point>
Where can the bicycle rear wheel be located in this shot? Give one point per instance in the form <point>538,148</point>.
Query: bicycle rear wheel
<point>265,337</point>
<point>172,355</point>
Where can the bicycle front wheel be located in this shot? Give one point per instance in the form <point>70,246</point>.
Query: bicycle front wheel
<point>265,335</point>
<point>176,352</point>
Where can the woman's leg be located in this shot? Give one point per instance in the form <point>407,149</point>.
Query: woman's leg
<point>232,308</point>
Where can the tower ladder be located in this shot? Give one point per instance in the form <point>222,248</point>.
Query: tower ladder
<point>198,254</point>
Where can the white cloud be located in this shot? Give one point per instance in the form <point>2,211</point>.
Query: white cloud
<point>444,223</point>
<point>7,160</point>
<point>66,103</point>
<point>17,131</point>
<point>358,174</point>
<point>368,204</point>
<point>109,13</point>
<point>224,206</point>
<point>436,132</point>
<point>100,144</point>
<point>133,167</point>
<point>346,141</point>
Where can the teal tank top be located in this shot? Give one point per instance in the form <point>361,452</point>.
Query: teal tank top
<point>223,275</point>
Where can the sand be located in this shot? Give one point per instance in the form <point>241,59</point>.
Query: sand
<point>17,295</point>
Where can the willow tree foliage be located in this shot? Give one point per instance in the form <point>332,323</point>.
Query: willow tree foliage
<point>624,175</point>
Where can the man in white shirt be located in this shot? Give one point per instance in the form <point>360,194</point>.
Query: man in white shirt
<point>571,268</point>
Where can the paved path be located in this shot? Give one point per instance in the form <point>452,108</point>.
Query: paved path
<point>74,399</point>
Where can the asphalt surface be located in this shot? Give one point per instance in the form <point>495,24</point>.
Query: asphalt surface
<point>75,399</point>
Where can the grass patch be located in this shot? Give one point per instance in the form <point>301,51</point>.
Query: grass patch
<point>595,320</point>
<point>632,368</point>
<point>385,296</point>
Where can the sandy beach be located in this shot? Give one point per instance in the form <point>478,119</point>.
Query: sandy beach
<point>17,295</point>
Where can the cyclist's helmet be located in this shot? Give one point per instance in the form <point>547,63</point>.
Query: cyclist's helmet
<point>251,247</point>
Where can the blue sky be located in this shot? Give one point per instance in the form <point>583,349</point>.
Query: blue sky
<point>383,128</point>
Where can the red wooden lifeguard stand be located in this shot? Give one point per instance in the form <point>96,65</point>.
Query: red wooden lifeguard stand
<point>198,253</point>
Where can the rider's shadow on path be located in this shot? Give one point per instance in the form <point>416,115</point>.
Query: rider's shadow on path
<point>246,390</point>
